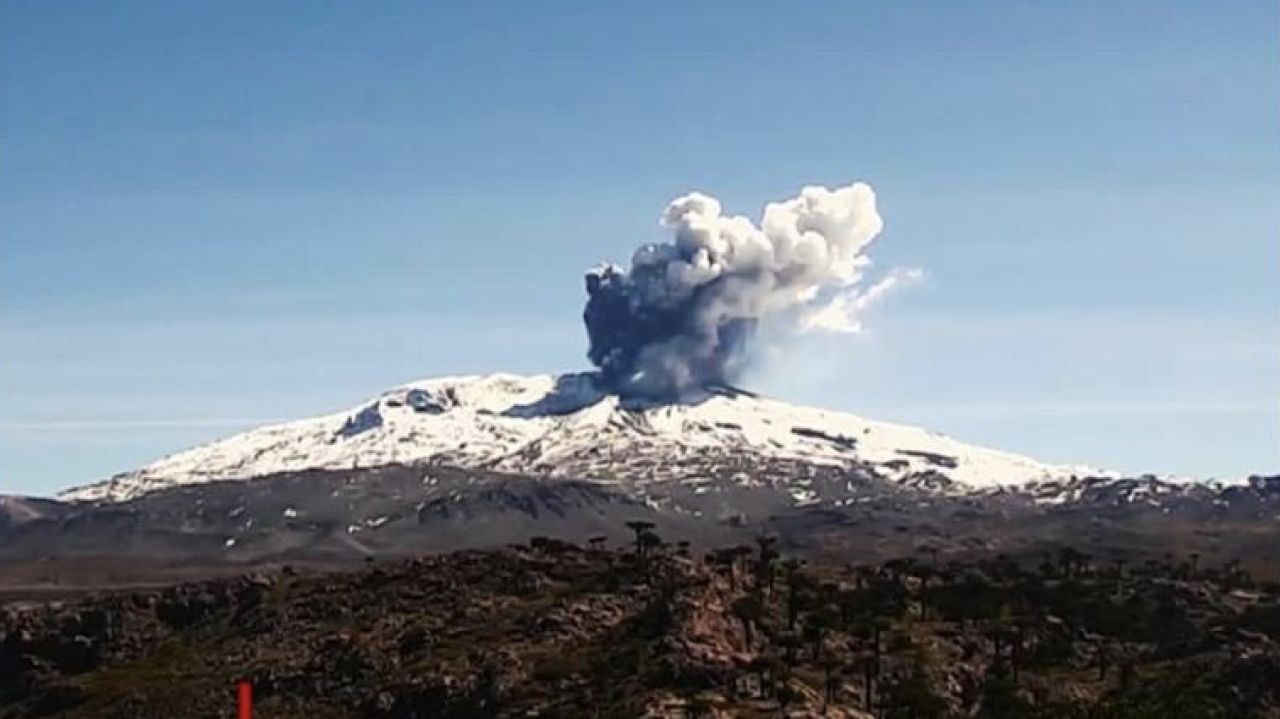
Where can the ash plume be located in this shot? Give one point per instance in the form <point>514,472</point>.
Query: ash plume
<point>684,315</point>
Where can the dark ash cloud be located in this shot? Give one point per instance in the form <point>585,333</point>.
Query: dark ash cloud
<point>684,315</point>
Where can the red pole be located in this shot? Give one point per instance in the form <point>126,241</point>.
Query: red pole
<point>244,700</point>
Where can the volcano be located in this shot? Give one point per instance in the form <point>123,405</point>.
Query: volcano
<point>484,461</point>
<point>567,427</point>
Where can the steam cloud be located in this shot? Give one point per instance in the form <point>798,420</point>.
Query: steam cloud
<point>683,317</point>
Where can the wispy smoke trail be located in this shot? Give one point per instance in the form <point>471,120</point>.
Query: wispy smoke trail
<point>843,313</point>
<point>683,316</point>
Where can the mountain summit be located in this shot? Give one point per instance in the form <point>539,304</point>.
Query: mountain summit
<point>567,427</point>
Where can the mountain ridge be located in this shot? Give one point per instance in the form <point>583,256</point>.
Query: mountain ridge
<point>565,426</point>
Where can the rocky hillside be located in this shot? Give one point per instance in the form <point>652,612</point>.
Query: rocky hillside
<point>650,629</point>
<point>395,511</point>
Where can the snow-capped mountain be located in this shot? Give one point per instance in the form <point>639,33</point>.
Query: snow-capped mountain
<point>565,427</point>
<point>465,462</point>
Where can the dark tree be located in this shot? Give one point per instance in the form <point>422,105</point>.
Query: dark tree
<point>764,563</point>
<point>748,610</point>
<point>640,527</point>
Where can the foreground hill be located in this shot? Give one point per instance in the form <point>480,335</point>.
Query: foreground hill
<point>551,629</point>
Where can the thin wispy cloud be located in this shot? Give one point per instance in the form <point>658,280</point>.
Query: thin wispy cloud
<point>107,425</point>
<point>1099,408</point>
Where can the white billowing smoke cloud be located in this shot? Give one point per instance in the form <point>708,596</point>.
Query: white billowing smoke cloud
<point>683,315</point>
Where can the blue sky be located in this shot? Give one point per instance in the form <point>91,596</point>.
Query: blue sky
<point>214,214</point>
